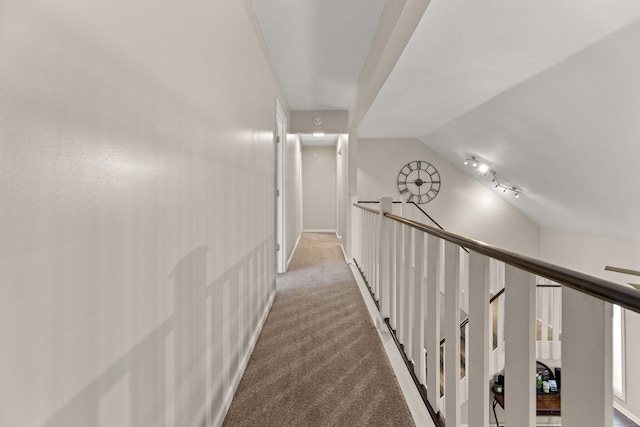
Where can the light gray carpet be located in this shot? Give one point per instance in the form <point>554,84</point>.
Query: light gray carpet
<point>318,360</point>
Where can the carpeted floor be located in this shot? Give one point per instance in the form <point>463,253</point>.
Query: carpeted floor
<point>318,360</point>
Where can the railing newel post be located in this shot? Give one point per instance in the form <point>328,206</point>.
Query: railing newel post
<point>384,259</point>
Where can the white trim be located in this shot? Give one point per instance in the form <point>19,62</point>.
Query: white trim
<point>346,258</point>
<point>419,412</point>
<point>320,230</point>
<point>626,413</point>
<point>235,382</point>
<point>281,173</point>
<point>293,251</point>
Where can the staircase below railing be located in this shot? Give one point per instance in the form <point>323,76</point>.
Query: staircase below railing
<point>409,267</point>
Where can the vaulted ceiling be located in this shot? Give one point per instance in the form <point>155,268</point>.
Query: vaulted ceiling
<point>548,91</point>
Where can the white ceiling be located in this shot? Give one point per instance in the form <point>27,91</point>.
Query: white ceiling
<point>318,47</point>
<point>308,140</point>
<point>549,91</point>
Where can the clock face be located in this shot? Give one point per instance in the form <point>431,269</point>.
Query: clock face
<point>418,181</point>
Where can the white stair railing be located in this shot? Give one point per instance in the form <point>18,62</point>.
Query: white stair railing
<point>407,265</point>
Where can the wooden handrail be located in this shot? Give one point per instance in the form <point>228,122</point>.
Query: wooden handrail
<point>412,203</point>
<point>496,296</point>
<point>375,211</point>
<point>622,270</point>
<point>598,288</point>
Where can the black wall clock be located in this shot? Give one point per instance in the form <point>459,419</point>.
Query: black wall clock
<point>418,181</point>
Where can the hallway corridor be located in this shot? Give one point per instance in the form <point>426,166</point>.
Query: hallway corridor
<point>318,360</point>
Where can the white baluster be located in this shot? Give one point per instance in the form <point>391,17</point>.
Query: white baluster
<point>501,313</point>
<point>408,293</point>
<point>392,273</point>
<point>399,327</point>
<point>544,322</point>
<point>557,323</point>
<point>479,338</point>
<point>365,244</point>
<point>519,329</point>
<point>376,232</point>
<point>371,244</point>
<point>452,334</point>
<point>373,247</point>
<point>587,396</point>
<point>418,309</point>
<point>432,329</point>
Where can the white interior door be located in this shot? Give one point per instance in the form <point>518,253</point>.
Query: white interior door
<point>280,137</point>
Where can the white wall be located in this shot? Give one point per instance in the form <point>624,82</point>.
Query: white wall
<point>319,188</point>
<point>293,194</point>
<point>137,196</point>
<point>590,254</point>
<point>462,206</point>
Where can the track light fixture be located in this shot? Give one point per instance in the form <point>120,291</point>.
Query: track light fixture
<point>484,167</point>
<point>500,186</point>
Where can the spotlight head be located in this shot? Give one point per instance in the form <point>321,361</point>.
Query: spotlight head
<point>517,195</point>
<point>466,162</point>
<point>483,168</point>
<point>475,164</point>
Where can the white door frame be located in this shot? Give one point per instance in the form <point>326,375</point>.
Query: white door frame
<point>281,157</point>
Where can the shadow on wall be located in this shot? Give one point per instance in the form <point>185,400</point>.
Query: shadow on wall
<point>180,374</point>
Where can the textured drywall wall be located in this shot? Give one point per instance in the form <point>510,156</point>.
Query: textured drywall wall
<point>319,188</point>
<point>137,196</point>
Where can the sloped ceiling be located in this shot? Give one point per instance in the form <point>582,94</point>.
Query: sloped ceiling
<point>548,91</point>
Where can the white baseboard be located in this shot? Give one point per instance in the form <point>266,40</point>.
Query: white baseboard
<point>626,413</point>
<point>319,230</point>
<point>293,252</point>
<point>346,258</point>
<point>235,382</point>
